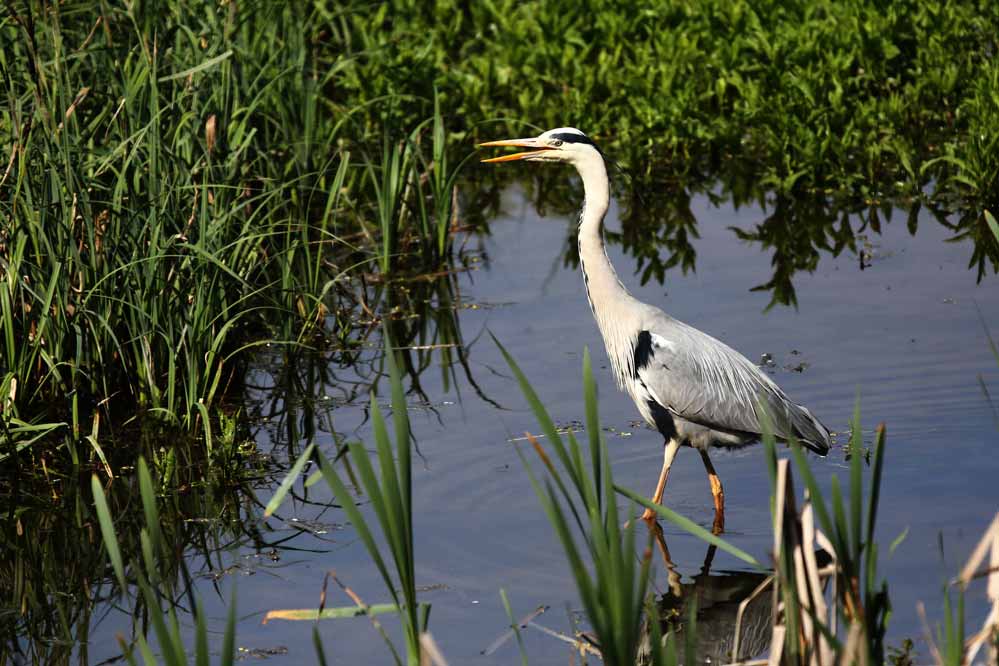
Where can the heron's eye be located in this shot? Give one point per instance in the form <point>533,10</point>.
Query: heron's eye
<point>557,143</point>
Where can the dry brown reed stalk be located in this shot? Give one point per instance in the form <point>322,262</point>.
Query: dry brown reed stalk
<point>801,612</point>
<point>430,654</point>
<point>987,546</point>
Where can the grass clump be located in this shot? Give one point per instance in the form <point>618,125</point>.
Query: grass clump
<point>176,190</point>
<point>614,594</point>
<point>178,184</point>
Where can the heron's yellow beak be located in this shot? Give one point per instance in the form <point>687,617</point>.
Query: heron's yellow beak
<point>519,143</point>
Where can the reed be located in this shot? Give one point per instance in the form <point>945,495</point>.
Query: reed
<point>610,572</point>
<point>171,202</point>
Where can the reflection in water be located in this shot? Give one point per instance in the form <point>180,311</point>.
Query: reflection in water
<point>658,225</point>
<point>55,574</point>
<point>717,598</point>
<point>295,394</point>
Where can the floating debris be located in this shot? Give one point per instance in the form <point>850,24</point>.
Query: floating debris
<point>261,653</point>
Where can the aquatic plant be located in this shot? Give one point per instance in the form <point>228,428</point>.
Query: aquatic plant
<point>390,494</point>
<point>147,577</point>
<point>171,201</point>
<point>614,595</point>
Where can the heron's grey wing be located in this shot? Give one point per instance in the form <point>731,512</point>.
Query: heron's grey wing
<point>703,380</point>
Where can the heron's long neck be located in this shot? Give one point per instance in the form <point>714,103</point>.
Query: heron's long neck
<point>608,297</point>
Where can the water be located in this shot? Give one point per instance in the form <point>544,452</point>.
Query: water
<point>905,332</point>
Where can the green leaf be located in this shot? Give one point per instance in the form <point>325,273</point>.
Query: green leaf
<point>108,532</point>
<point>993,225</point>
<point>897,541</point>
<point>229,637</point>
<point>211,62</point>
<point>691,527</point>
<point>288,481</point>
<point>149,505</point>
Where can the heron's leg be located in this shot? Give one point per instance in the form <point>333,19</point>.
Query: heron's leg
<point>669,453</point>
<point>717,492</point>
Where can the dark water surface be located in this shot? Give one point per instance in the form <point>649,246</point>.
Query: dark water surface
<point>904,331</point>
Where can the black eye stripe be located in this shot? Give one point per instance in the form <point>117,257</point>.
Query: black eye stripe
<point>574,138</point>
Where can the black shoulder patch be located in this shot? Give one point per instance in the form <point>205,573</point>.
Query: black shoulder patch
<point>644,352</point>
<point>569,137</point>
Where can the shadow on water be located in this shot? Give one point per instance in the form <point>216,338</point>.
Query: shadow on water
<point>57,582</point>
<point>296,393</point>
<point>715,598</point>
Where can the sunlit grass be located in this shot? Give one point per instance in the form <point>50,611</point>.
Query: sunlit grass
<point>191,201</point>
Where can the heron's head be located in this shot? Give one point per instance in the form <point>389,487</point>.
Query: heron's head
<point>564,144</point>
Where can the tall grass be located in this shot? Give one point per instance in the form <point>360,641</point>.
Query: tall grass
<point>178,191</point>
<point>611,573</point>
<point>178,184</point>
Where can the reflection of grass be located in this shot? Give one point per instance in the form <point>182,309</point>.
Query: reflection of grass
<point>390,494</point>
<point>145,571</point>
<point>53,571</point>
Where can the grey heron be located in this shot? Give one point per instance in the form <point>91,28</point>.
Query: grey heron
<point>695,390</point>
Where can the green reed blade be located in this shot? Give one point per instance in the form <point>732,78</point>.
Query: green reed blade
<point>107,531</point>
<point>386,496</point>
<point>691,527</point>
<point>228,654</point>
<point>346,501</point>
<point>317,644</point>
<point>149,508</point>
<point>990,220</point>
<point>514,626</point>
<point>856,478</point>
<point>201,654</point>
<point>592,424</point>
<point>548,428</point>
<point>288,481</point>
<point>164,637</point>
<point>874,493</point>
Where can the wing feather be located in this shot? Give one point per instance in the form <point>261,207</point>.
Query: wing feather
<point>703,380</point>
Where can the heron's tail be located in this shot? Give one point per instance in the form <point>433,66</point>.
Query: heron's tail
<point>810,431</point>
